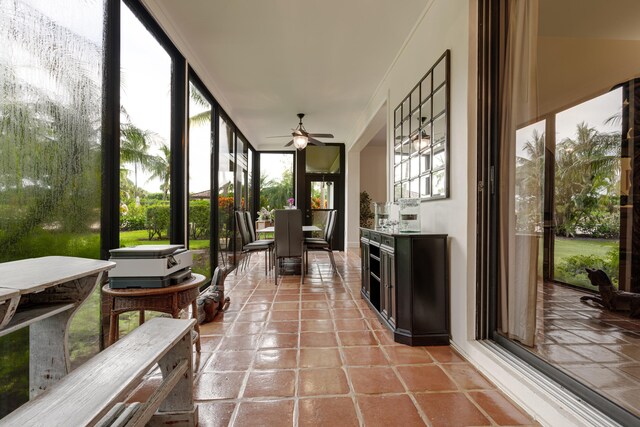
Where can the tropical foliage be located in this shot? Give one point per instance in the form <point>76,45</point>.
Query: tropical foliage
<point>587,184</point>
<point>276,192</point>
<point>586,196</point>
<point>366,214</point>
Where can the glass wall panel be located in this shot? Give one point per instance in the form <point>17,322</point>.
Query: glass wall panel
<point>276,180</point>
<point>50,154</point>
<point>226,201</point>
<point>241,183</point>
<point>145,95</point>
<point>145,154</point>
<point>323,159</point>
<point>569,177</point>
<point>200,146</point>
<point>250,164</point>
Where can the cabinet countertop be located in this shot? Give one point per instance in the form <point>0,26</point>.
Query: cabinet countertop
<point>386,233</point>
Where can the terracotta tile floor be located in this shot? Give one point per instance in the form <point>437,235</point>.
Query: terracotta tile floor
<point>315,355</point>
<point>597,347</point>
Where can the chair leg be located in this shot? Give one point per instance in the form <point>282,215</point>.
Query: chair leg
<point>266,255</point>
<point>306,254</point>
<point>275,269</point>
<point>333,262</point>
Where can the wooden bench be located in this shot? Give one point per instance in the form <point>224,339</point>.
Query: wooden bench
<point>91,394</point>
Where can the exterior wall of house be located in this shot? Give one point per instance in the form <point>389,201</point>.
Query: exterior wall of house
<point>453,25</point>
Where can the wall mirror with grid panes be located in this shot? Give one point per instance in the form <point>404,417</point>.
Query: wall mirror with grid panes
<point>421,137</point>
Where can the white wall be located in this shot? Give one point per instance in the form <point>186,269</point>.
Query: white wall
<point>352,191</point>
<point>373,159</point>
<point>445,25</point>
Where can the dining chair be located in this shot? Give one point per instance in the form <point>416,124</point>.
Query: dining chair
<point>252,235</point>
<point>248,245</point>
<point>289,239</point>
<point>317,244</point>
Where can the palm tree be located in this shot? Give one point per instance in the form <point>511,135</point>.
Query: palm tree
<point>529,183</point>
<point>587,172</point>
<point>198,98</point>
<point>134,148</point>
<point>161,169</point>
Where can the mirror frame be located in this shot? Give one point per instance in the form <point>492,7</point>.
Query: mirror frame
<point>419,136</point>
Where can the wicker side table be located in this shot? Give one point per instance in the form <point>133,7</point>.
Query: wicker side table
<point>169,300</point>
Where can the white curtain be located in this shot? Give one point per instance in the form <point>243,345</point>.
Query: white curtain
<point>518,251</point>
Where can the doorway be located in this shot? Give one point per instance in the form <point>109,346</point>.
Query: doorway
<point>320,172</point>
<point>321,199</point>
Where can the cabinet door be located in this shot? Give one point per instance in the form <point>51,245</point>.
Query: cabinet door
<point>364,264</point>
<point>384,284</point>
<point>392,289</point>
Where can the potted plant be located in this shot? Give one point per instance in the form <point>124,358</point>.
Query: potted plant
<point>265,217</point>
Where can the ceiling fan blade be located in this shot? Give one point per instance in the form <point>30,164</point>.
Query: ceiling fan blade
<point>321,135</point>
<point>316,142</point>
<point>279,136</point>
<point>289,143</point>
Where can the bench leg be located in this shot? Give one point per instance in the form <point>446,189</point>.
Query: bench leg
<point>178,408</point>
<point>48,355</point>
<point>194,314</point>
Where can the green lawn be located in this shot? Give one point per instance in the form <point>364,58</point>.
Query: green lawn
<point>141,237</point>
<point>568,247</point>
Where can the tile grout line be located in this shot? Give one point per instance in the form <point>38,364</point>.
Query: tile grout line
<point>245,380</point>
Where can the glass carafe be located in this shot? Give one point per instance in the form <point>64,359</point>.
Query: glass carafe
<point>382,211</point>
<point>409,215</point>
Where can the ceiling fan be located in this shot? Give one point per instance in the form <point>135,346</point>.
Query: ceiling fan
<point>301,137</point>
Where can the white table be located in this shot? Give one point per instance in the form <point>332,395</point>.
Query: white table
<point>44,293</point>
<point>305,228</point>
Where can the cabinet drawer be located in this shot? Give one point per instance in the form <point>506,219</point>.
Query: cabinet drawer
<point>387,240</point>
<point>365,233</point>
<point>375,237</point>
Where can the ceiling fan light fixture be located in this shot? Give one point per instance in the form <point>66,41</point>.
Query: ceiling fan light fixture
<point>300,141</point>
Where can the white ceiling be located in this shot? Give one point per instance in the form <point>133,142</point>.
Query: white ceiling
<point>266,60</point>
<point>595,19</point>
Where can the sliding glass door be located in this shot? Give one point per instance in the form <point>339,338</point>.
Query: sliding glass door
<point>561,164</point>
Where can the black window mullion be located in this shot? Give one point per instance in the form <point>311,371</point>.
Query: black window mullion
<point>177,232</point>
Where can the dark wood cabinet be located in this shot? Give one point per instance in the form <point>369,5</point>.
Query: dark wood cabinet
<point>405,279</point>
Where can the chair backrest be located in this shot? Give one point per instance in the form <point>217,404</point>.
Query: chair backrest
<point>331,227</point>
<point>289,237</point>
<point>252,231</point>
<point>241,219</point>
<point>327,226</point>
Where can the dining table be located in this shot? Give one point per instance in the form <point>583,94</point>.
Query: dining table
<point>305,228</point>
